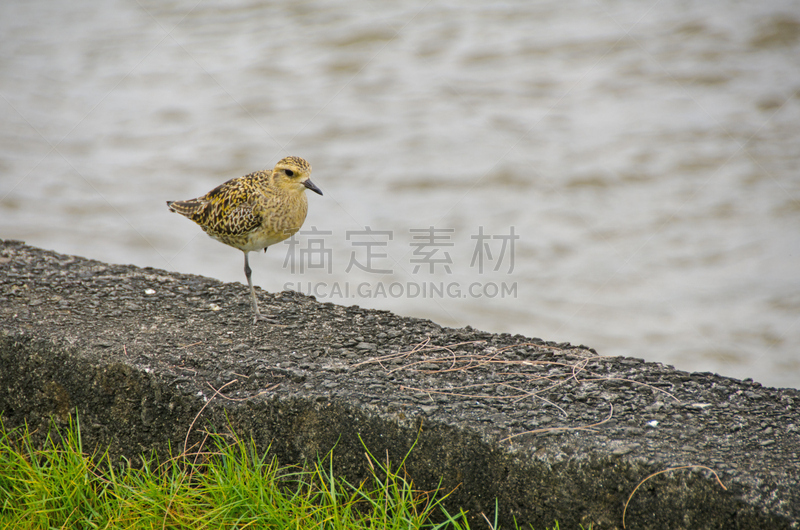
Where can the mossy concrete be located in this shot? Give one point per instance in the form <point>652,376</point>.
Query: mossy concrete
<point>138,354</point>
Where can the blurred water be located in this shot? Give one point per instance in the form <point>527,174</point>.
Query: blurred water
<point>647,154</point>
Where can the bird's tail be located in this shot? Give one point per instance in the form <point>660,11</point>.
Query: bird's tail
<point>185,208</point>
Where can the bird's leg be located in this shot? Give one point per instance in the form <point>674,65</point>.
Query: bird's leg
<point>248,274</point>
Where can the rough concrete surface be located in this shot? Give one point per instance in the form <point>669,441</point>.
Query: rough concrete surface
<point>139,352</point>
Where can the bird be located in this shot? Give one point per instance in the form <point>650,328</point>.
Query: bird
<point>254,211</point>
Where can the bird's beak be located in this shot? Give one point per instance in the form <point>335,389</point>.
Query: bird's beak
<point>313,187</point>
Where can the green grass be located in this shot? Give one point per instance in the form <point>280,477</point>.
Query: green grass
<point>227,486</point>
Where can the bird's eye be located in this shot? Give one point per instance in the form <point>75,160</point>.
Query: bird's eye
<point>289,172</point>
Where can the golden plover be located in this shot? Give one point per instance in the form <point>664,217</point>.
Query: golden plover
<point>254,211</point>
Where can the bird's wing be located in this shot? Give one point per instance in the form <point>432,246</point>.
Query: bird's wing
<point>228,209</point>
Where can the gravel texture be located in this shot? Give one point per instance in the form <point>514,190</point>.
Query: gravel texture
<point>550,430</point>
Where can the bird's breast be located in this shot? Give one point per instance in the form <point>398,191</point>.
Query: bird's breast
<point>280,220</point>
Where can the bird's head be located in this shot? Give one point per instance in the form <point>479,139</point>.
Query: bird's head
<point>294,173</point>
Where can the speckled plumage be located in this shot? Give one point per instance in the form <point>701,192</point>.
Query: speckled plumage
<point>254,211</point>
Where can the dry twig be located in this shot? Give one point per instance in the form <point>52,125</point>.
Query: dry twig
<point>664,471</point>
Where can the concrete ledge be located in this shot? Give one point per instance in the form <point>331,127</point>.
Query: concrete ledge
<point>139,352</point>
